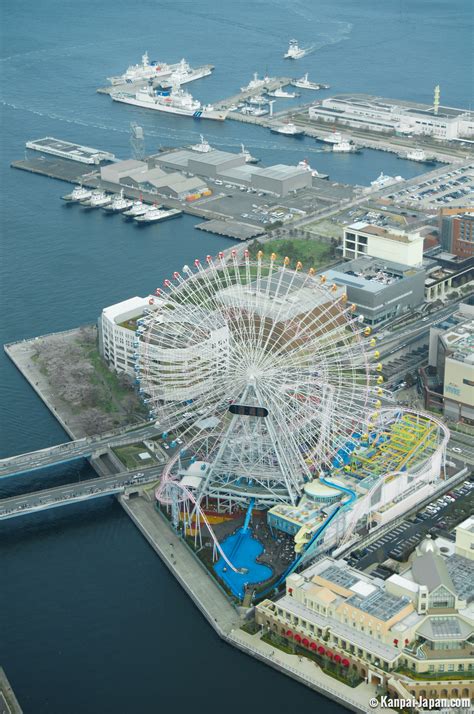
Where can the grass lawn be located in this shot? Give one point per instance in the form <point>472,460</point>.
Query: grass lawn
<point>311,253</point>
<point>128,455</point>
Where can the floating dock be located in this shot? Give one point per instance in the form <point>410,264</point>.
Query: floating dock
<point>69,150</point>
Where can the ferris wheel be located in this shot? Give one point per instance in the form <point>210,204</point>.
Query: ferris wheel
<point>262,369</point>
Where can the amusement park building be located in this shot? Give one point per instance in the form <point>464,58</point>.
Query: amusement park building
<point>418,622</point>
<point>381,289</point>
<point>117,332</point>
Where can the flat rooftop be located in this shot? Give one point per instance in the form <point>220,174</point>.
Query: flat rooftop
<point>371,274</point>
<point>76,152</point>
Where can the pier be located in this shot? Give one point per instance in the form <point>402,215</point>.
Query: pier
<point>270,85</point>
<point>8,701</point>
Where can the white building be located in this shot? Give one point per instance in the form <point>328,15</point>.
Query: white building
<point>465,538</point>
<point>117,331</point>
<point>398,246</point>
<point>387,115</point>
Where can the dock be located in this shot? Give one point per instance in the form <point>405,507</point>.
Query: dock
<point>271,85</point>
<point>230,229</point>
<point>8,701</point>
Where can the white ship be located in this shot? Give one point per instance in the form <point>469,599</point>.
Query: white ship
<point>183,73</point>
<point>304,164</point>
<point>344,146</point>
<point>258,99</point>
<point>146,70</point>
<point>118,204</point>
<point>281,94</point>
<point>78,194</point>
<point>420,156</point>
<point>256,83</point>
<point>295,51</point>
<point>304,83</point>
<point>288,129</point>
<point>172,101</point>
<point>249,159</point>
<point>156,214</point>
<point>335,138</point>
<point>98,199</point>
<point>203,147</point>
<point>254,111</point>
<point>384,181</point>
<point>138,209</point>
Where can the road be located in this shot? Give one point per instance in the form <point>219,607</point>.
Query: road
<point>82,448</point>
<point>75,492</point>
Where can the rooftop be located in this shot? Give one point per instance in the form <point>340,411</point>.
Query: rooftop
<point>371,274</point>
<point>399,236</point>
<point>379,603</point>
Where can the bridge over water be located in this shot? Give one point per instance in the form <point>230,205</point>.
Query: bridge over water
<point>72,450</point>
<point>75,492</point>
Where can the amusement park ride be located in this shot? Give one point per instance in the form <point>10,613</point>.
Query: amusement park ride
<point>275,387</point>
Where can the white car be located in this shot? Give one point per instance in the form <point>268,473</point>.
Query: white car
<point>456,450</point>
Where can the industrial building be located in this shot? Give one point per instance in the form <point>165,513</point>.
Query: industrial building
<point>394,244</point>
<point>117,327</point>
<point>153,179</point>
<point>417,621</point>
<point>380,289</point>
<point>371,113</point>
<point>231,168</point>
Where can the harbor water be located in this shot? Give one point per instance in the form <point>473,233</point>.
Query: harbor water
<point>90,620</point>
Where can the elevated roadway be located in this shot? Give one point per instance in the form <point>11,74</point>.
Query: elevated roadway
<point>24,504</point>
<point>72,450</point>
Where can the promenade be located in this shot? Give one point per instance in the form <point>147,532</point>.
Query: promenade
<point>226,619</point>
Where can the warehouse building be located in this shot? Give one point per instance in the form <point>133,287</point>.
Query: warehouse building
<point>113,173</point>
<point>380,289</point>
<point>231,168</point>
<point>281,179</point>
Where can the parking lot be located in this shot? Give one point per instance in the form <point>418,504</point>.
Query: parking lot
<point>455,187</point>
<point>441,516</point>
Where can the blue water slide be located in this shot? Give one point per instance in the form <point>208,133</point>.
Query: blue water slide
<point>249,514</point>
<point>244,529</point>
<point>299,559</point>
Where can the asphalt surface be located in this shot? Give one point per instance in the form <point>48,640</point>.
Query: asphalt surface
<point>406,536</point>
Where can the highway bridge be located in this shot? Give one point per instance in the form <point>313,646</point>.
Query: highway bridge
<point>72,450</point>
<point>75,492</point>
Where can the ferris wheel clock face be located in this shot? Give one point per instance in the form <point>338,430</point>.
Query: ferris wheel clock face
<point>265,364</point>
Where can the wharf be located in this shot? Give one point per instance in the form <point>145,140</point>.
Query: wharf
<point>230,229</point>
<point>270,86</point>
<point>134,86</point>
<point>8,701</point>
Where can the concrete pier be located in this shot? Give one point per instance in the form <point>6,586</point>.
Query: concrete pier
<point>8,701</point>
